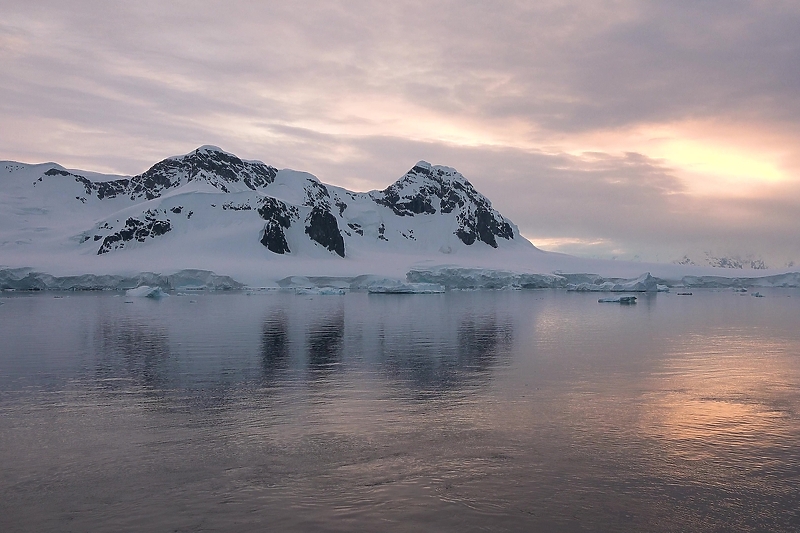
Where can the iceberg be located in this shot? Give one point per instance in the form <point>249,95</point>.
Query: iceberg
<point>625,300</point>
<point>644,283</point>
<point>156,293</point>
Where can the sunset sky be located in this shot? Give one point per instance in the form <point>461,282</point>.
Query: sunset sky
<point>610,128</point>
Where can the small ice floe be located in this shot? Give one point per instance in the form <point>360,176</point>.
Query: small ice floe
<point>321,291</point>
<point>625,300</point>
<point>156,293</point>
<point>758,295</point>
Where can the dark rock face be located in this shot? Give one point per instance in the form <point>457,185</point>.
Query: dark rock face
<point>408,205</point>
<point>483,226</point>
<point>236,207</point>
<point>317,194</point>
<point>382,232</point>
<point>279,216</point>
<point>321,226</point>
<point>139,229</point>
<point>214,166</point>
<point>101,189</point>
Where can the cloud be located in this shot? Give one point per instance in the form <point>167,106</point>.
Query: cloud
<point>550,107</point>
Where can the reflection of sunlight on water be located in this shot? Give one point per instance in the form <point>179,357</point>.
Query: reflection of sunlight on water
<point>719,411</point>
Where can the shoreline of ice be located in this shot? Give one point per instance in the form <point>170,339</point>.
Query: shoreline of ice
<point>434,279</point>
<point>27,279</point>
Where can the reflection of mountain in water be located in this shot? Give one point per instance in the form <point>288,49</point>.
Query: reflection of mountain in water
<point>274,345</point>
<point>131,350</point>
<point>455,356</point>
<point>233,342</point>
<point>479,342</point>
<point>325,338</point>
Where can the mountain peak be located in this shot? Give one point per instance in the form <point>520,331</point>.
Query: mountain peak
<point>422,166</point>
<point>211,148</point>
<point>207,150</point>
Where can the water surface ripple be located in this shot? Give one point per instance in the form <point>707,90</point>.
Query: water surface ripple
<point>465,411</point>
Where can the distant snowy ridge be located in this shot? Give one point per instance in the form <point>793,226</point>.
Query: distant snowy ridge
<point>738,261</point>
<point>472,278</point>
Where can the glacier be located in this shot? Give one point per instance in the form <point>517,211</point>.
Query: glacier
<point>26,279</point>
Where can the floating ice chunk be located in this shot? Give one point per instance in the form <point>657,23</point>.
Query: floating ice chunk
<point>625,299</point>
<point>146,291</point>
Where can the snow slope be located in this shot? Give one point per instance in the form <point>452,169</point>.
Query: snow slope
<point>210,210</point>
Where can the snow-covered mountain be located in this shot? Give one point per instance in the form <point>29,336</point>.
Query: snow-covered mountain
<point>740,261</point>
<point>212,211</point>
<point>210,202</point>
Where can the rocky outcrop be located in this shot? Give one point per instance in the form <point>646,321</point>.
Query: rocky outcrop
<point>150,225</point>
<point>207,163</point>
<point>279,217</point>
<point>428,190</point>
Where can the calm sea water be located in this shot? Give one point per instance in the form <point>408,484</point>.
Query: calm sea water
<point>467,411</point>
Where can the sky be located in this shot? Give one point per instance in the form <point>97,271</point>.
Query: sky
<point>643,130</point>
